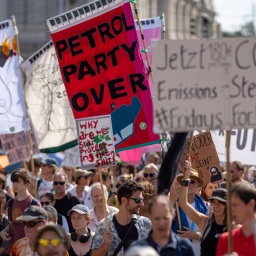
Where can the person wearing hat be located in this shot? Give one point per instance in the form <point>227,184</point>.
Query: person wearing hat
<point>189,228</point>
<point>211,225</point>
<point>82,190</point>
<point>45,184</point>
<point>81,239</point>
<point>32,218</point>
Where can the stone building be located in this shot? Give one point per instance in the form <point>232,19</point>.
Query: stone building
<point>185,19</point>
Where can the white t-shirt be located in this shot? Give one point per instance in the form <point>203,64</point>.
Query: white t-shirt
<point>44,187</point>
<point>86,196</point>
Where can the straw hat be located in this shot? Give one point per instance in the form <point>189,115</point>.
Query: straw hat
<point>193,174</point>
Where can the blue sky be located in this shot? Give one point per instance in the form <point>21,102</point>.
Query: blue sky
<point>233,13</point>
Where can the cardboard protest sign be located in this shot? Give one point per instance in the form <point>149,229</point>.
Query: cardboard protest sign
<point>204,84</point>
<point>204,157</point>
<point>72,157</point>
<point>96,142</point>
<point>4,161</point>
<point>17,146</point>
<point>12,103</point>
<point>103,71</point>
<point>47,101</point>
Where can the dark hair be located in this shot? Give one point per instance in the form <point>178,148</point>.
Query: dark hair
<point>21,173</point>
<point>238,165</point>
<point>60,231</point>
<point>164,199</point>
<point>49,195</point>
<point>245,191</point>
<point>105,175</point>
<point>127,189</point>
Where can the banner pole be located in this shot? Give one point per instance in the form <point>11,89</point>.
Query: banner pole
<point>134,2</point>
<point>28,123</point>
<point>228,186</point>
<point>162,17</point>
<point>103,200</point>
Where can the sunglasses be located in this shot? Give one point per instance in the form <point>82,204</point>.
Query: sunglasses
<point>30,224</point>
<point>59,183</point>
<point>137,200</point>
<point>151,175</point>
<point>45,203</point>
<point>118,185</point>
<point>54,242</point>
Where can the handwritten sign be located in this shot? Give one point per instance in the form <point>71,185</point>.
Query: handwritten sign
<point>204,157</point>
<point>96,142</point>
<point>17,146</point>
<point>204,84</point>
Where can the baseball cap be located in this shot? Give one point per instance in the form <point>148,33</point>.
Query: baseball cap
<point>33,212</point>
<point>219,194</point>
<point>80,208</point>
<point>49,161</point>
<point>81,173</point>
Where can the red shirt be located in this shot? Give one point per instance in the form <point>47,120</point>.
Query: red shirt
<point>242,245</point>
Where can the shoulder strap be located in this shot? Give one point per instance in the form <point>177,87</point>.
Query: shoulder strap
<point>122,242</point>
<point>207,228</point>
<point>38,183</point>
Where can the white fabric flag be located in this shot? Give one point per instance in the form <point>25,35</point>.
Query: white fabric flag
<point>47,101</point>
<point>12,103</point>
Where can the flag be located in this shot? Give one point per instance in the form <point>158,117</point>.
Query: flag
<point>12,103</point>
<point>47,101</point>
<point>103,71</point>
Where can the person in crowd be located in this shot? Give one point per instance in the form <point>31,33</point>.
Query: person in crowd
<point>97,213</point>
<point>113,200</point>
<point>3,221</point>
<point>188,228</point>
<point>32,218</point>
<point>150,173</point>
<point>47,199</point>
<point>45,184</point>
<point>3,187</point>
<point>243,210</point>
<point>124,226</point>
<point>206,191</point>
<point>116,169</point>
<point>82,190</point>
<point>236,173</point>
<point>141,250</point>
<point>51,240</point>
<point>20,182</point>
<point>128,169</point>
<point>148,192</point>
<point>152,158</point>
<point>64,201</point>
<point>161,237</point>
<point>107,181</point>
<point>52,214</point>
<point>81,238</point>
<point>70,171</point>
<point>210,226</point>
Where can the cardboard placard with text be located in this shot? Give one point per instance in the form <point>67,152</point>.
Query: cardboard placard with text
<point>96,142</point>
<point>204,157</point>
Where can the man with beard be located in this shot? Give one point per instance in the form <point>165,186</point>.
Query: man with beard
<point>125,226</point>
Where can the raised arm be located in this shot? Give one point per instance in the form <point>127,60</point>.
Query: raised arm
<point>198,218</point>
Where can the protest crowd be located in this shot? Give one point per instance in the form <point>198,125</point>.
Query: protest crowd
<point>67,216</point>
<point>107,161</point>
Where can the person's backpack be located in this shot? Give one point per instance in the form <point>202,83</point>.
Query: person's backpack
<point>182,246</point>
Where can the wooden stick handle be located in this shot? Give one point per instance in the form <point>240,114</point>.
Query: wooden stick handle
<point>178,214</point>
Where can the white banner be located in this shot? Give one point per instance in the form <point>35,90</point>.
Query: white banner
<point>204,84</point>
<point>12,104</point>
<point>242,145</point>
<point>47,101</point>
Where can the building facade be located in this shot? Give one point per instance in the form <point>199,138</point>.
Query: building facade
<point>185,19</point>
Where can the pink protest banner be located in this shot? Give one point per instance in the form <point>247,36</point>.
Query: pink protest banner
<point>103,71</point>
<point>96,142</point>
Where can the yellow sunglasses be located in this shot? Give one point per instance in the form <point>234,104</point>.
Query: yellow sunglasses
<point>54,242</point>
